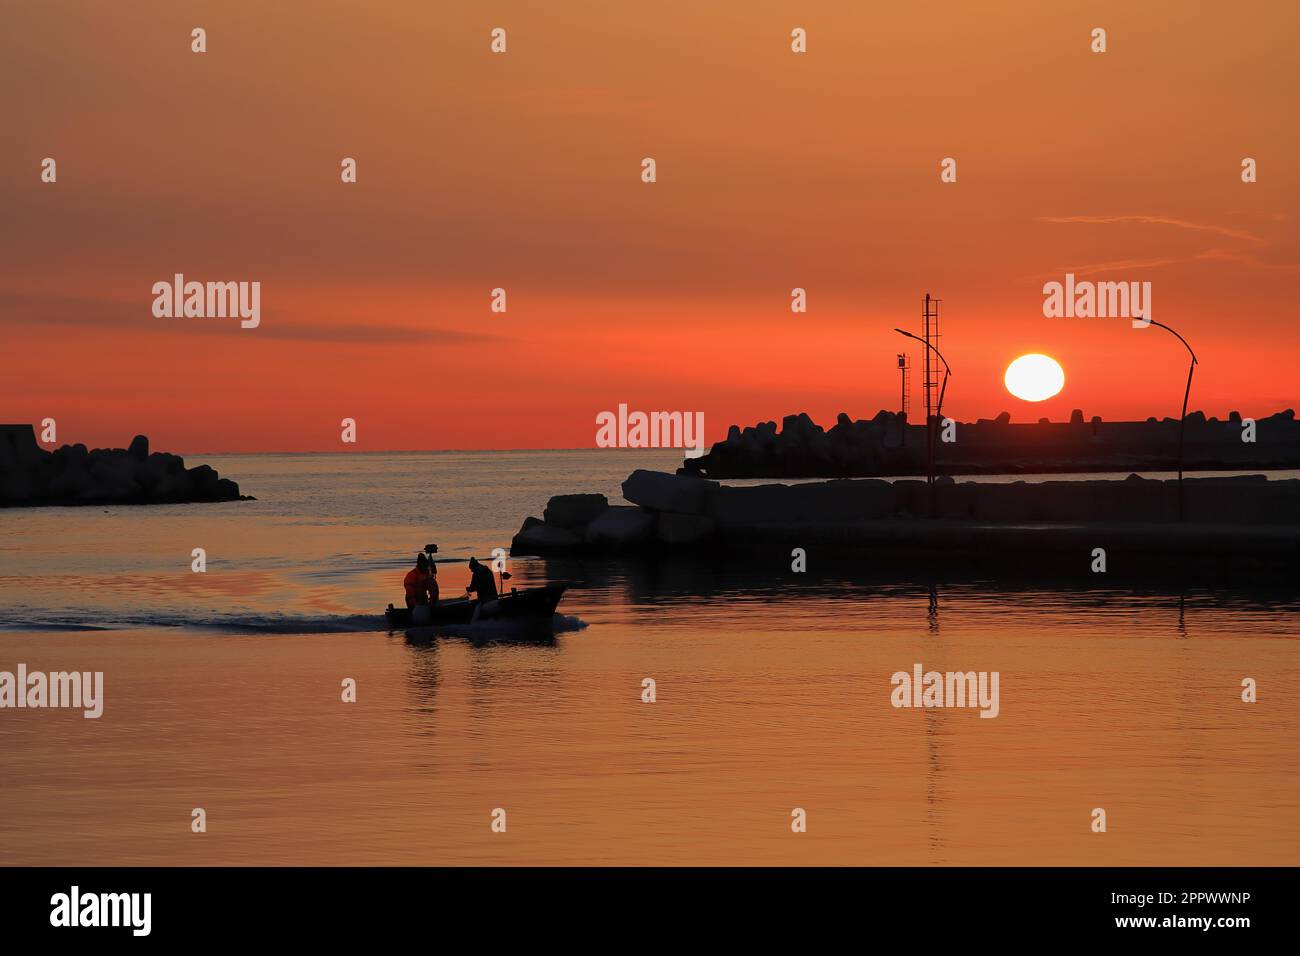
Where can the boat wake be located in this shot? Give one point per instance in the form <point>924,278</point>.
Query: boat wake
<point>305,624</point>
<point>55,626</point>
<point>240,622</point>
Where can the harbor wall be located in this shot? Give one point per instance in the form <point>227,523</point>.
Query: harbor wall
<point>888,445</point>
<point>666,513</point>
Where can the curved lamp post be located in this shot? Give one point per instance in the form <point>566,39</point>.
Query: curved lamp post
<point>1182,424</point>
<point>938,414</point>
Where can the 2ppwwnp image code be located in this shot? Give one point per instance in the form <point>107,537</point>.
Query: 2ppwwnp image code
<point>832,461</point>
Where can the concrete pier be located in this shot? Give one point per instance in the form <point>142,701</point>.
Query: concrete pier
<point>1242,522</point>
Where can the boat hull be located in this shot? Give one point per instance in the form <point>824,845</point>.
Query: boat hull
<point>533,604</point>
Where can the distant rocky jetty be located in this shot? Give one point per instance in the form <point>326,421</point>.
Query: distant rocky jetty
<point>73,475</point>
<point>1247,516</point>
<point>888,445</point>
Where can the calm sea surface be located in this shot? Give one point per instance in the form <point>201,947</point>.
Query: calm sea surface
<point>223,691</point>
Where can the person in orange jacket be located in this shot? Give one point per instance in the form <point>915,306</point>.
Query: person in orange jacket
<point>421,583</point>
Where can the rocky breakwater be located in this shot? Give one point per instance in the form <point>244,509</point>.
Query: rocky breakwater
<point>667,513</point>
<point>888,445</point>
<point>75,475</point>
<point>803,449</point>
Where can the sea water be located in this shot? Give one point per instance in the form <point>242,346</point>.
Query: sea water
<point>223,692</point>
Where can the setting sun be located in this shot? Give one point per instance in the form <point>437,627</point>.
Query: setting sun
<point>1034,377</point>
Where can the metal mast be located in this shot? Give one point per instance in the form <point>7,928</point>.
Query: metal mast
<point>930,332</point>
<point>905,372</point>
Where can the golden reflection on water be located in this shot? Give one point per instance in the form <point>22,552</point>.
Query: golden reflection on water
<point>754,716</point>
<point>223,692</point>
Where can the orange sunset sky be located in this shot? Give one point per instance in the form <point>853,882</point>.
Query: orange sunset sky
<point>522,170</point>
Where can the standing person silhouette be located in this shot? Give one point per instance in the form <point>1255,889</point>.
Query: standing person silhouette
<point>481,582</point>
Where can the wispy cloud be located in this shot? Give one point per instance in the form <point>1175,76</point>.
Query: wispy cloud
<point>1247,259</point>
<point>1157,221</point>
<point>18,308</point>
<point>1115,265</point>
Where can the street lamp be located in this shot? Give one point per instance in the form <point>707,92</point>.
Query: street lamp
<point>1182,424</point>
<point>938,413</point>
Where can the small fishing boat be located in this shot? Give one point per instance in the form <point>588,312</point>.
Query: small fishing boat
<point>529,605</point>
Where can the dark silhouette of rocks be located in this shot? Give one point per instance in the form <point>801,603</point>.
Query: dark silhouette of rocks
<point>73,475</point>
<point>537,537</point>
<point>569,511</point>
<point>1245,521</point>
<point>887,445</point>
<point>620,528</point>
